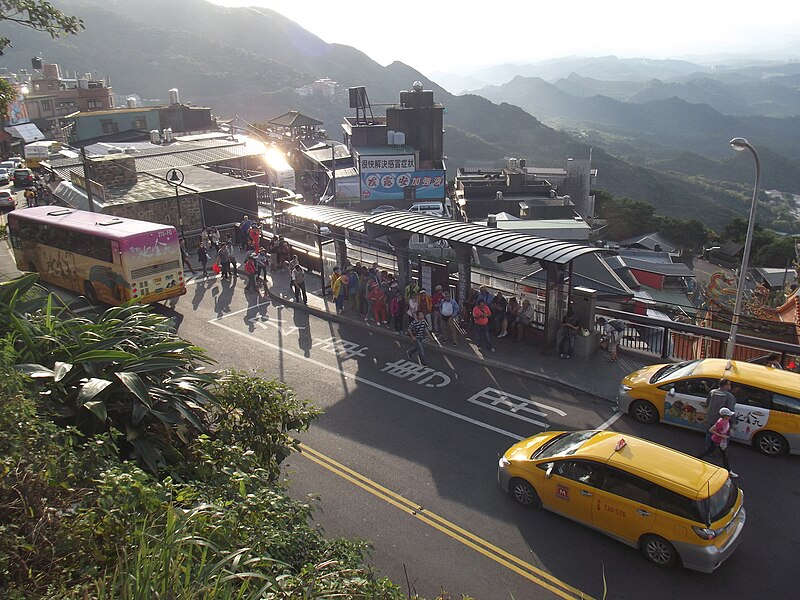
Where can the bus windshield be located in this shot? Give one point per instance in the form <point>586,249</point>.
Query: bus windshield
<point>108,259</point>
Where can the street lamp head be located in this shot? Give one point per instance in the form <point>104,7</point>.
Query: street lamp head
<point>739,144</point>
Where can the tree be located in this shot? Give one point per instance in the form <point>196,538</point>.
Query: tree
<point>39,15</point>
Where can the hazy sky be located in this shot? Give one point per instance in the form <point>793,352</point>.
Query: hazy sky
<point>448,35</point>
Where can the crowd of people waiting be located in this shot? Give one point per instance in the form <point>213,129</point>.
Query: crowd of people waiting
<point>376,295</point>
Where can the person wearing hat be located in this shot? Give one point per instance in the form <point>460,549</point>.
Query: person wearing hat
<point>436,316</point>
<point>720,434</point>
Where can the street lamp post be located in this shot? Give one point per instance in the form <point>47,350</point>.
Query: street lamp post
<point>740,144</point>
<point>175,178</point>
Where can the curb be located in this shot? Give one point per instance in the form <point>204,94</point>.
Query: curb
<point>289,301</point>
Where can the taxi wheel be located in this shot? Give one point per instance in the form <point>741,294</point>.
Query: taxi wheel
<point>659,551</point>
<point>524,494</point>
<point>644,412</point>
<point>770,443</point>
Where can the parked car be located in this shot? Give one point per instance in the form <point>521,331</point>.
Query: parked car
<point>676,509</point>
<point>3,175</point>
<point>430,208</point>
<point>7,200</point>
<point>382,209</point>
<point>22,177</point>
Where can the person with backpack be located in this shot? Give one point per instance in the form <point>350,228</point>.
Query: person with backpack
<point>185,256</point>
<point>612,331</point>
<point>224,260</point>
<point>299,283</point>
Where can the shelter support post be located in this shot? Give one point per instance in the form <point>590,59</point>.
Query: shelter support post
<point>339,246</point>
<point>400,241</point>
<point>464,260</point>
<point>554,303</point>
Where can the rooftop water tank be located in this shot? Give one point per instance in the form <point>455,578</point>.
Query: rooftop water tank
<point>130,102</point>
<point>390,137</point>
<point>174,96</point>
<point>155,136</point>
<point>399,138</point>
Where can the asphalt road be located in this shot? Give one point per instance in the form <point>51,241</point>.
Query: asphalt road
<point>406,457</point>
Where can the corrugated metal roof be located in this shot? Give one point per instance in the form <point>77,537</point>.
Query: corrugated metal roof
<point>330,215</point>
<point>669,270</point>
<point>294,119</point>
<point>486,237</point>
<point>153,161</point>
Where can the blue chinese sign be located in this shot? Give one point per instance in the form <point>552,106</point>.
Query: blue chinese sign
<point>429,185</point>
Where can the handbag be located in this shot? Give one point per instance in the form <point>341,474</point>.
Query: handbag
<point>216,268</point>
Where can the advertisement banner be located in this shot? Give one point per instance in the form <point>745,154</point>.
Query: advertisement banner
<point>427,185</point>
<point>401,163</point>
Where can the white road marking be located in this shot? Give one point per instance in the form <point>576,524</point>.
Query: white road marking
<point>610,421</point>
<point>497,398</point>
<point>359,379</point>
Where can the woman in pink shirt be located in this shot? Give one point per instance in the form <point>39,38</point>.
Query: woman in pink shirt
<point>720,433</point>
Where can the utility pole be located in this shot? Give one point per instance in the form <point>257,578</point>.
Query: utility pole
<point>87,180</point>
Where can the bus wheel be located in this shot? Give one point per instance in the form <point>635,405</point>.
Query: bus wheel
<point>91,295</point>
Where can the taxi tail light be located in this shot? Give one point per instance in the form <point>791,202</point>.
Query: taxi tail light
<point>704,533</point>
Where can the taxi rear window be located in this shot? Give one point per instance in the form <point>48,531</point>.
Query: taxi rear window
<point>721,502</point>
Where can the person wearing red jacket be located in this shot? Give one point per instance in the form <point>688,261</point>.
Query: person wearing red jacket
<point>480,319</point>
<point>378,300</point>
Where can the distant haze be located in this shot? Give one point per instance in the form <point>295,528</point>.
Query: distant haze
<point>457,36</point>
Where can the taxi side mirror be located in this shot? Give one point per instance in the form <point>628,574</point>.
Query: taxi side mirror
<point>671,391</point>
<point>549,473</point>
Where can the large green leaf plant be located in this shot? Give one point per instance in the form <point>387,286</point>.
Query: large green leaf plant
<point>124,369</point>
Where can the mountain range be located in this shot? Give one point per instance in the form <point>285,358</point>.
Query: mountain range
<point>248,61</point>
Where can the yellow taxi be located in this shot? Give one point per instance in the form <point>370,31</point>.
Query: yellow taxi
<point>767,413</point>
<point>676,509</point>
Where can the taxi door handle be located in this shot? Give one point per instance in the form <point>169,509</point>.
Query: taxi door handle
<point>585,493</point>
<point>643,512</point>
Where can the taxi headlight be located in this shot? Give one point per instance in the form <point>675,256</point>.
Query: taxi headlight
<point>503,462</point>
<point>624,388</point>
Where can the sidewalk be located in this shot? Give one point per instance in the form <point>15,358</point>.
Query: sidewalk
<point>593,376</point>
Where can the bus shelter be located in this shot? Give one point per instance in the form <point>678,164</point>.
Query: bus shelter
<point>397,227</point>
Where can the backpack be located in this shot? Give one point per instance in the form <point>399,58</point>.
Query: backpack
<point>617,326</point>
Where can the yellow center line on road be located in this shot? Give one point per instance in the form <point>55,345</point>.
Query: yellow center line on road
<point>500,556</point>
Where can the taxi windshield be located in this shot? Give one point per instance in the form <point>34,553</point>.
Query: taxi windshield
<point>564,444</point>
<point>675,371</point>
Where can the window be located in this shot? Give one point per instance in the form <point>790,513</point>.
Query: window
<point>628,486</point>
<point>47,105</point>
<point>751,396</point>
<point>109,126</point>
<point>693,387</point>
<point>786,404</point>
<point>140,123</point>
<point>676,504</point>
<point>95,103</point>
<point>581,471</point>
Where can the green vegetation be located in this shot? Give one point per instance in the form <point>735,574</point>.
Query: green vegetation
<point>38,15</point>
<point>127,472</point>
<point>628,218</point>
